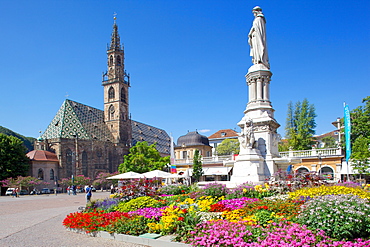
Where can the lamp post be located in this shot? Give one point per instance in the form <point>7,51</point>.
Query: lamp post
<point>320,163</point>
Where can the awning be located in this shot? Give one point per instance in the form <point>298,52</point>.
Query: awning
<point>209,171</point>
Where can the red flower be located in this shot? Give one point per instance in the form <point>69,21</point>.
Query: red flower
<point>180,219</point>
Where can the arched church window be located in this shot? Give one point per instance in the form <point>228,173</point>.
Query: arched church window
<point>110,93</point>
<point>84,163</point>
<point>123,95</point>
<point>119,60</point>
<point>111,112</point>
<point>40,174</point>
<point>111,60</point>
<point>51,174</point>
<point>69,162</point>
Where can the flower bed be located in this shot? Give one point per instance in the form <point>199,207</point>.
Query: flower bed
<point>245,216</point>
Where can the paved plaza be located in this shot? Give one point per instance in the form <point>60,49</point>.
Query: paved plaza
<point>37,221</point>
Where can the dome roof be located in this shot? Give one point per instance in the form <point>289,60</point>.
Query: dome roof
<point>42,155</point>
<point>193,139</point>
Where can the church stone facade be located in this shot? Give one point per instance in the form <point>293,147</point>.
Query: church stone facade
<point>87,140</point>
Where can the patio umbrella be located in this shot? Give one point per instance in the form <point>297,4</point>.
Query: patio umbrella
<point>156,174</point>
<point>127,175</point>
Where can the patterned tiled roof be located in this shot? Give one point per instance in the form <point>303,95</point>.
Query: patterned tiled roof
<point>88,123</point>
<point>143,132</point>
<point>74,117</point>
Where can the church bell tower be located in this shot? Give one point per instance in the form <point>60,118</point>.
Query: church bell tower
<point>116,83</point>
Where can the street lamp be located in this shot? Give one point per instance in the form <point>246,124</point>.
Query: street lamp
<point>320,163</point>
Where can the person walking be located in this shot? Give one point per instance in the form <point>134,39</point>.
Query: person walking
<point>88,193</point>
<point>74,190</point>
<point>69,190</point>
<point>17,192</point>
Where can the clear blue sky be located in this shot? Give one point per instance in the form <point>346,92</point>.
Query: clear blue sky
<point>187,59</point>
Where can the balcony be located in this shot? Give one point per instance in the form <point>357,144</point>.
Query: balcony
<point>311,153</point>
<point>206,160</point>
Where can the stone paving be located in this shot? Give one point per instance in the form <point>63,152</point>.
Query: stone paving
<point>36,220</point>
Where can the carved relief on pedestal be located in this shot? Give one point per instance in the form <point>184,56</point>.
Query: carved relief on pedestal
<point>246,136</point>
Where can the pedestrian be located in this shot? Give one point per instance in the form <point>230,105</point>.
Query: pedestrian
<point>17,192</point>
<point>69,190</point>
<point>14,193</point>
<point>112,189</point>
<point>88,193</point>
<point>74,190</point>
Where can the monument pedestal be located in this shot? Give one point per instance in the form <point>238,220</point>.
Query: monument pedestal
<point>248,167</point>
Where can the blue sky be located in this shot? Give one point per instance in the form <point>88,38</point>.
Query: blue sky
<point>187,59</point>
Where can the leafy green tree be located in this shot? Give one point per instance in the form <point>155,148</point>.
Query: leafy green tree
<point>360,155</point>
<point>360,137</point>
<point>197,166</point>
<point>300,125</point>
<point>13,159</point>
<point>143,158</point>
<point>329,142</point>
<point>228,146</point>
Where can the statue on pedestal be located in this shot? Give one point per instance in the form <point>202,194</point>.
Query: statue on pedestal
<point>246,137</point>
<point>257,39</point>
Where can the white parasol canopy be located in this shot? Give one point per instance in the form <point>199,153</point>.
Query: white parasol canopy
<point>156,174</point>
<point>127,175</point>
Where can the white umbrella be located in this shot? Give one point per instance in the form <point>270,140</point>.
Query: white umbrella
<point>127,175</point>
<point>156,174</point>
<point>174,175</point>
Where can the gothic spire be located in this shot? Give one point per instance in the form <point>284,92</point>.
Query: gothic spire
<point>115,43</point>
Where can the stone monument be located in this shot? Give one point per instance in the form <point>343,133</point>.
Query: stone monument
<point>258,137</point>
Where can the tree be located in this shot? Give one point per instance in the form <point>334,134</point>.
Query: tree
<point>300,125</point>
<point>22,182</point>
<point>228,146</point>
<point>13,159</point>
<point>360,137</point>
<point>329,142</point>
<point>197,166</point>
<point>360,155</point>
<point>102,181</point>
<point>77,180</point>
<point>143,158</point>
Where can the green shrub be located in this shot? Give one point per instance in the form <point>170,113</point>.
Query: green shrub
<point>340,216</point>
<point>131,226</point>
<point>137,203</point>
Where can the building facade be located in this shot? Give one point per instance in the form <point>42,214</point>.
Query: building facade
<point>86,140</point>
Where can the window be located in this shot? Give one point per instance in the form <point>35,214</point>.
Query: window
<point>51,174</point>
<point>184,154</point>
<point>110,94</point>
<point>327,173</point>
<point>302,170</point>
<point>208,154</point>
<point>84,163</point>
<point>111,60</point>
<point>40,174</point>
<point>123,95</point>
<point>119,60</point>
<point>223,134</point>
<point>111,112</point>
<point>69,162</point>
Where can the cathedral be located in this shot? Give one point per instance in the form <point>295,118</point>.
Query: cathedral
<point>83,140</point>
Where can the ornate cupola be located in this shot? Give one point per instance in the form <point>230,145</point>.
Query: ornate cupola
<point>116,84</point>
